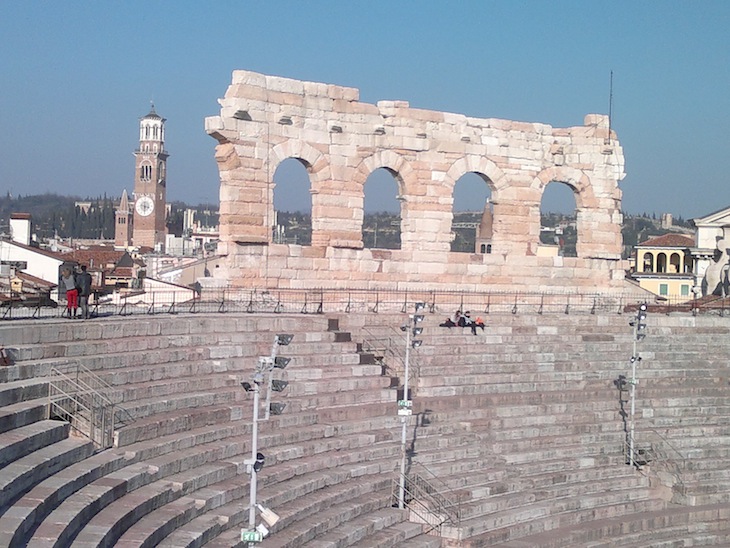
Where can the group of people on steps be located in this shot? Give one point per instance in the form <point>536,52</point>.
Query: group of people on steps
<point>464,320</point>
<point>78,291</point>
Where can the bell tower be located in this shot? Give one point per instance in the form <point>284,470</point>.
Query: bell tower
<point>150,184</point>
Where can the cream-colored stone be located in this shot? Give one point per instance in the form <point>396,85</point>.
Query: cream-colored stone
<point>339,138</point>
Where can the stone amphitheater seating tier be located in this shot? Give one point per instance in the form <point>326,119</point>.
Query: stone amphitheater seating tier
<point>520,426</point>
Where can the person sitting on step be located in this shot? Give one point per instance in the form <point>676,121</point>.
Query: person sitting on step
<point>453,321</point>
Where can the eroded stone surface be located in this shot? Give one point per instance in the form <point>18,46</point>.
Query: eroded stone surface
<point>265,120</point>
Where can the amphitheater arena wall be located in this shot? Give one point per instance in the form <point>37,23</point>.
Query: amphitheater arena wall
<point>265,120</point>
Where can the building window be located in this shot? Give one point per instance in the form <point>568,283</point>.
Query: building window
<point>684,290</point>
<point>145,173</point>
<point>663,289</point>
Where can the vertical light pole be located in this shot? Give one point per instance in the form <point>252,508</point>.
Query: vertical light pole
<point>405,405</point>
<point>262,376</point>
<point>639,333</point>
<point>258,378</point>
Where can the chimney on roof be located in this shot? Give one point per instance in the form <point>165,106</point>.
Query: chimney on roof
<point>20,228</point>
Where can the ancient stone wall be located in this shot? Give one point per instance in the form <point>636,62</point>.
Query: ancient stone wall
<point>265,120</point>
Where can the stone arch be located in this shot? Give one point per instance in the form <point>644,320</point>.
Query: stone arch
<point>393,162</point>
<point>585,200</point>
<point>406,180</point>
<point>319,171</point>
<point>481,166</point>
<point>576,179</point>
<point>492,175</point>
<point>315,162</point>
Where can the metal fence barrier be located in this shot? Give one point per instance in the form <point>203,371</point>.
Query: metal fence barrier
<point>371,301</point>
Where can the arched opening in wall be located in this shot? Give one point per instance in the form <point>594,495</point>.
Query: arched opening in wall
<point>558,228</point>
<point>382,219</point>
<point>292,223</point>
<point>661,263</point>
<point>471,221</point>
<point>648,262</point>
<point>688,265</point>
<point>675,263</point>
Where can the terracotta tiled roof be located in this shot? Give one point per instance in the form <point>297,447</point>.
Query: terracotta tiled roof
<point>669,240</point>
<point>104,258</point>
<point>38,282</point>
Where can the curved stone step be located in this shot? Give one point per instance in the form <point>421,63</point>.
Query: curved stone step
<point>23,390</point>
<point>22,413</point>
<point>107,526</point>
<point>363,527</point>
<point>21,475</point>
<point>33,507</point>
<point>22,441</point>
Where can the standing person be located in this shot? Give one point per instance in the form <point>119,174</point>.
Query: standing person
<point>83,283</point>
<point>68,282</point>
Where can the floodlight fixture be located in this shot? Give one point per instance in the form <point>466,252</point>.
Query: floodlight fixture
<point>258,377</point>
<point>281,362</point>
<point>417,331</point>
<point>404,328</point>
<point>416,343</point>
<point>420,306</point>
<point>269,516</point>
<point>276,408</point>
<point>418,318</point>
<point>247,386</point>
<point>643,307</point>
<point>284,339</point>
<point>259,462</point>
<point>263,530</point>
<point>279,385</point>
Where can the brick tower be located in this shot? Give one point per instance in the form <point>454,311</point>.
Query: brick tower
<point>123,217</point>
<point>149,184</point>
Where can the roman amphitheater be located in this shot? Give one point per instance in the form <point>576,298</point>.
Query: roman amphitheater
<point>563,423</point>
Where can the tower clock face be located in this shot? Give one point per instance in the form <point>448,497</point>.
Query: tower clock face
<point>145,206</point>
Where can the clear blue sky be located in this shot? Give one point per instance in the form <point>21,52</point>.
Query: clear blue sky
<point>75,77</point>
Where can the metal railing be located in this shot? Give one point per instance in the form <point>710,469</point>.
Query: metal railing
<point>81,398</point>
<point>429,499</point>
<point>656,450</point>
<point>668,457</point>
<point>389,343</point>
<point>360,301</point>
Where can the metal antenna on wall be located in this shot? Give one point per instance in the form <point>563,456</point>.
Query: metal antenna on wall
<point>610,107</point>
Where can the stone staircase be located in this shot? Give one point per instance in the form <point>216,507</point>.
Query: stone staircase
<point>176,475</point>
<point>521,423</point>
